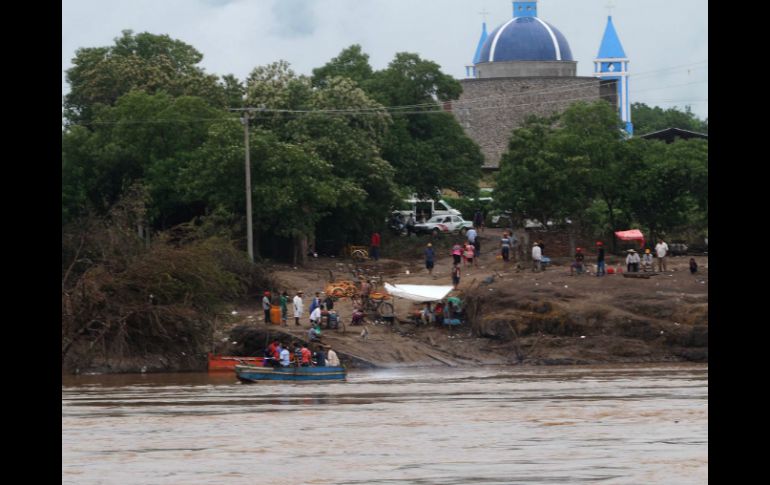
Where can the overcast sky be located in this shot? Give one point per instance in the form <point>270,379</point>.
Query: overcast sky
<point>666,41</point>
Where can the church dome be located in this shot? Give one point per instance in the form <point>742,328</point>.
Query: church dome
<point>525,39</point>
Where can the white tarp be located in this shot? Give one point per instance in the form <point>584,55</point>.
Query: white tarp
<point>419,292</point>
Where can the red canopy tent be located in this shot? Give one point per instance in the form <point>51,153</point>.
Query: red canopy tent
<point>631,235</point>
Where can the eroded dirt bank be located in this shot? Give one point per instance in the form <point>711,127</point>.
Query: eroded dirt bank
<point>517,316</point>
<point>520,317</point>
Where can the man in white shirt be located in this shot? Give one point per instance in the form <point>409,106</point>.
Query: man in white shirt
<point>331,358</point>
<point>285,359</point>
<point>298,307</point>
<point>537,255</point>
<point>661,249</point>
<point>471,235</point>
<point>315,316</point>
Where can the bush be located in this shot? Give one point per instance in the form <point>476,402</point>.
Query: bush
<point>122,298</point>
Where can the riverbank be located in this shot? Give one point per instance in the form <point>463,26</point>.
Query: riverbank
<point>520,317</point>
<point>523,317</point>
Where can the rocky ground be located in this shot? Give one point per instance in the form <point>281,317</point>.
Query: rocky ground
<point>522,316</point>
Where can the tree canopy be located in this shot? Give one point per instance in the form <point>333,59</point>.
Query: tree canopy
<point>579,167</point>
<point>99,76</point>
<point>648,119</point>
<point>328,158</point>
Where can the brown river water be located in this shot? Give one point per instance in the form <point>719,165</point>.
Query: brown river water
<point>485,425</point>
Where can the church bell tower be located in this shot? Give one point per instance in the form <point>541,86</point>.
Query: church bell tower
<point>612,64</point>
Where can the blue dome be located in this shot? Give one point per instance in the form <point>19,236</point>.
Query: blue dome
<point>525,39</point>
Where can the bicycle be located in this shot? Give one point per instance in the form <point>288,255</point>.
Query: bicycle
<point>358,253</point>
<point>376,303</point>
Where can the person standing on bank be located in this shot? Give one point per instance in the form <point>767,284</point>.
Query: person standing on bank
<point>375,246</point>
<point>478,220</point>
<point>600,270</point>
<point>284,302</point>
<point>266,306</point>
<point>661,249</point>
<point>430,257</point>
<point>456,275</point>
<point>505,246</point>
<point>298,307</point>
<point>457,252</point>
<point>537,255</point>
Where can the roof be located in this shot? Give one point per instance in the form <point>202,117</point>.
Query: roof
<point>610,47</point>
<point>525,39</point>
<point>670,134</point>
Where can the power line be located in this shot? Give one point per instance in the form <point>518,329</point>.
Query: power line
<point>433,107</point>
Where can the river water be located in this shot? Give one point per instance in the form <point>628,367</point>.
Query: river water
<point>485,425</point>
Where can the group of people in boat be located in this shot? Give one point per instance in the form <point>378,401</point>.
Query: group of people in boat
<point>297,354</point>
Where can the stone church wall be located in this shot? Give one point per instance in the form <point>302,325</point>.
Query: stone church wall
<point>489,109</point>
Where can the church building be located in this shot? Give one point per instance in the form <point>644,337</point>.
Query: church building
<point>525,66</point>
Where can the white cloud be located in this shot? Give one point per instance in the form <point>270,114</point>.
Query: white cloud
<point>237,35</point>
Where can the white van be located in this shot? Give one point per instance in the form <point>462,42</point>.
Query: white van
<point>424,209</point>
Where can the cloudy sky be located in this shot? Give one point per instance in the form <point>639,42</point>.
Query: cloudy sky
<point>666,41</point>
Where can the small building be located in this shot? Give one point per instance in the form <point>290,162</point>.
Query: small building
<point>669,135</point>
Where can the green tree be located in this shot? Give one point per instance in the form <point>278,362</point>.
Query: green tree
<point>143,137</point>
<point>152,63</point>
<point>649,119</point>
<point>591,135</point>
<point>430,152</point>
<point>534,180</point>
<point>671,191</point>
<point>352,63</point>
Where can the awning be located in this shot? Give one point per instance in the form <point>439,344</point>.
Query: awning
<point>419,292</point>
<point>631,235</point>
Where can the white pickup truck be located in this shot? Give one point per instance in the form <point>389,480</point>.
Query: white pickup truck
<point>443,224</point>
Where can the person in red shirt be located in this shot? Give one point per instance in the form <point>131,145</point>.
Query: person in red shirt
<point>375,246</point>
<point>306,356</point>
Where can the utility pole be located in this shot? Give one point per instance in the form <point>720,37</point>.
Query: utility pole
<point>249,229</point>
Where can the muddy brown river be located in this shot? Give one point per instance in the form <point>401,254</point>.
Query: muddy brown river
<point>485,425</point>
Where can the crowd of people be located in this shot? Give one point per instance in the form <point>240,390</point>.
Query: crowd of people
<point>450,312</point>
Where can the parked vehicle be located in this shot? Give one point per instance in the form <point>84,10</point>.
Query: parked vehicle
<point>425,208</point>
<point>443,224</point>
<point>678,249</point>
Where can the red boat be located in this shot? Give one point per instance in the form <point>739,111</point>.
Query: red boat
<point>227,363</point>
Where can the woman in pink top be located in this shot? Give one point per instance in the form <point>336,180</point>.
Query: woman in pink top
<point>457,252</point>
<point>468,252</point>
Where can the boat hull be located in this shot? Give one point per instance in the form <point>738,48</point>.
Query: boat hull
<point>251,373</point>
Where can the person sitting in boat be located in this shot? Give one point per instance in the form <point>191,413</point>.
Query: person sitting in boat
<point>285,356</point>
<point>331,357</point>
<point>297,354</point>
<point>319,359</point>
<point>305,356</point>
<point>270,355</point>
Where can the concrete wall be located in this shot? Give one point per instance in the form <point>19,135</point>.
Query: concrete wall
<point>526,69</point>
<point>489,109</point>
